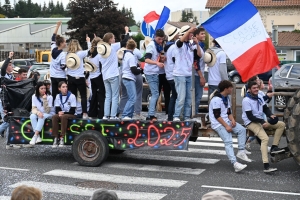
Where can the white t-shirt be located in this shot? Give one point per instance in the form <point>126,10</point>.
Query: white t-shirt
<point>151,69</point>
<point>215,103</point>
<point>184,58</point>
<point>38,104</point>
<point>201,63</point>
<point>110,64</point>
<point>65,106</point>
<point>95,60</point>
<point>79,72</point>
<point>137,54</point>
<point>128,62</point>
<point>55,64</point>
<point>249,104</point>
<point>214,76</point>
<point>169,64</point>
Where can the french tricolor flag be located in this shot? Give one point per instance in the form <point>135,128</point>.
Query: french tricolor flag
<point>240,32</point>
<point>152,19</point>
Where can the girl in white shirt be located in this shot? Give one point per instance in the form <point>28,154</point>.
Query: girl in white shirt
<point>41,110</point>
<point>76,79</point>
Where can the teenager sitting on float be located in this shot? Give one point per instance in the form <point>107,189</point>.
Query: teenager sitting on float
<point>41,110</point>
<point>65,105</point>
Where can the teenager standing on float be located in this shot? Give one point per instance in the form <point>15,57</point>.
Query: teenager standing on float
<point>151,69</point>
<point>110,71</point>
<point>98,88</point>
<point>184,55</point>
<point>76,77</point>
<point>58,61</point>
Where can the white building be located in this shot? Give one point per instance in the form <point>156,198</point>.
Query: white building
<point>202,16</point>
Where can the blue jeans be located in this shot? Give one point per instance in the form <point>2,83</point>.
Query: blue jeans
<point>38,123</point>
<point>238,130</point>
<point>1,110</point>
<point>153,85</point>
<point>183,86</point>
<point>5,126</point>
<point>172,100</point>
<point>111,96</point>
<point>131,92</point>
<point>198,93</point>
<point>211,89</point>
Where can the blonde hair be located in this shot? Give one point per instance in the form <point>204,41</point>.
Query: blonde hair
<point>24,192</point>
<point>74,46</point>
<point>94,44</point>
<point>131,44</point>
<point>107,37</point>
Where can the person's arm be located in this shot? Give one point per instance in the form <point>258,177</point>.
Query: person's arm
<point>223,65</point>
<point>126,38</point>
<point>5,64</point>
<point>58,24</point>
<point>71,111</point>
<point>198,47</point>
<point>148,56</point>
<point>267,111</point>
<point>34,110</point>
<point>186,36</point>
<point>57,109</point>
<point>134,69</point>
<point>217,114</point>
<point>46,105</point>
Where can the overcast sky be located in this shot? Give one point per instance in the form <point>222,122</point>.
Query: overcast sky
<point>141,7</point>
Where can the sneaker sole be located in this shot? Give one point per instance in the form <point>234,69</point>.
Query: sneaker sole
<point>277,152</point>
<point>244,159</point>
<point>273,170</point>
<point>238,170</point>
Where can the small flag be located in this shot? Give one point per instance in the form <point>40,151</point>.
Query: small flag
<point>164,17</point>
<point>240,32</point>
<point>152,19</point>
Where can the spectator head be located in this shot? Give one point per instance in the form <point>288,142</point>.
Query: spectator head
<point>94,44</point>
<point>216,44</point>
<point>217,195</point>
<point>35,74</point>
<point>109,38</point>
<point>16,71</point>
<point>159,36</point>
<point>131,45</point>
<point>74,46</point>
<point>63,87</point>
<point>253,87</point>
<point>223,85</point>
<point>40,89</point>
<point>22,74</point>
<point>24,192</point>
<point>104,194</point>
<point>60,41</point>
<point>199,33</point>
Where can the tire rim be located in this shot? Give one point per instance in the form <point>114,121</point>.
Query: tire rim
<point>236,79</point>
<point>88,149</point>
<point>280,100</point>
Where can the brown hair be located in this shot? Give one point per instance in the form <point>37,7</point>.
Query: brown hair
<point>94,44</point>
<point>131,44</point>
<point>59,40</point>
<point>107,37</point>
<point>24,192</point>
<point>74,46</point>
<point>224,84</point>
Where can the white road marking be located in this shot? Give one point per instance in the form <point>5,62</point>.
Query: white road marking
<point>206,151</point>
<point>116,178</point>
<point>167,158</point>
<point>250,190</point>
<point>153,168</point>
<point>16,169</point>
<point>209,144</point>
<point>73,190</point>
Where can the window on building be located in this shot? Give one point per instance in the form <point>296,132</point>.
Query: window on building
<point>45,57</point>
<point>286,28</point>
<point>1,46</point>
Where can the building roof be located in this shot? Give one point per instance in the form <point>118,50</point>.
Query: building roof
<point>257,3</point>
<point>288,39</point>
<point>181,24</point>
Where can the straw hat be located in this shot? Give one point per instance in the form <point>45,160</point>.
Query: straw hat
<point>16,70</point>
<point>88,94</point>
<point>184,29</point>
<point>172,32</point>
<point>146,43</point>
<point>47,76</point>
<point>210,58</point>
<point>120,53</point>
<point>72,61</point>
<point>89,66</point>
<point>104,49</point>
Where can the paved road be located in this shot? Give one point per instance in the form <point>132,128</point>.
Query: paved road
<point>147,174</point>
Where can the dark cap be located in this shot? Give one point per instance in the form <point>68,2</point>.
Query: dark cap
<point>273,121</point>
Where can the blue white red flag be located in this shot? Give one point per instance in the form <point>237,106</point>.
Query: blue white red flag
<point>152,18</point>
<point>163,19</point>
<point>240,32</point>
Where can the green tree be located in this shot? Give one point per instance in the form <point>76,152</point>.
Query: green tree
<point>137,38</point>
<point>95,17</point>
<point>7,8</point>
<point>187,16</point>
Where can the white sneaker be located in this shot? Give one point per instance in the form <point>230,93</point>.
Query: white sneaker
<point>126,118</point>
<point>269,149</point>
<point>105,118</point>
<point>54,143</point>
<point>242,155</point>
<point>114,118</point>
<point>39,139</point>
<point>239,167</point>
<point>176,119</point>
<point>247,152</point>
<point>12,146</point>
<point>85,116</point>
<point>269,170</point>
<point>61,142</point>
<point>33,139</point>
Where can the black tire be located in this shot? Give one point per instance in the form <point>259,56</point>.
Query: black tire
<point>293,125</point>
<point>116,151</point>
<point>90,148</point>
<point>281,101</point>
<point>236,79</point>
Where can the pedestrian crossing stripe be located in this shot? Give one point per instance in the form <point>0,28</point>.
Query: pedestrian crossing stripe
<point>73,190</point>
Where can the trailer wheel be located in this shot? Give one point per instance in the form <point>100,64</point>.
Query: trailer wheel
<point>293,125</point>
<point>90,148</point>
